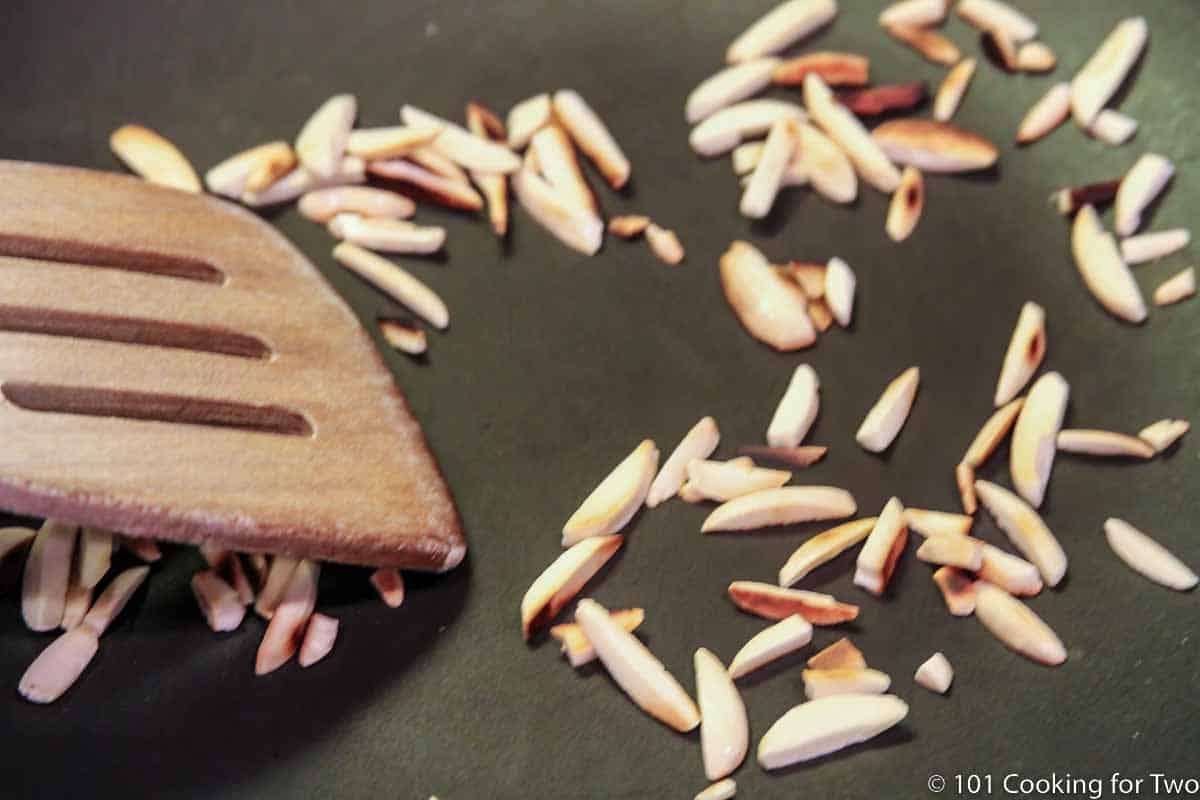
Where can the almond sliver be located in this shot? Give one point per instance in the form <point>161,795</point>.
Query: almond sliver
<point>820,683</point>
<point>113,599</point>
<point>954,87</point>
<point>952,551</point>
<point>724,727</point>
<point>527,118</point>
<point>47,576</point>
<point>628,226</point>
<point>390,584</point>
<point>885,419</point>
<point>797,457</point>
<point>1034,436</point>
<point>937,147</point>
<point>842,654</point>
<point>442,190</point>
<point>825,166</point>
<point>1012,574</point>
<point>819,727</point>
<point>1036,57</point>
<point>352,169</point>
<point>592,136</point>
<point>1160,435</point>
<point>932,45</point>
<point>823,548</point>
<point>845,129</point>
<point>218,601</point>
<point>797,409</point>
<point>840,283</point>
<point>780,28</point>
<point>772,308</point>
<point>1026,530</point>
<point>321,143</point>
<point>14,538</point>
<point>616,499</point>
<point>1144,182</point>
<point>1177,288</point>
<point>964,476</point>
<point>989,15</point>
<point>1104,73</point>
<point>319,636</point>
<point>563,579</point>
<point>728,86</point>
<point>394,141</point>
<point>1113,127</point>
<point>774,602</point>
<point>907,202</point>
<point>783,506</point>
<point>1104,273</point>
<point>95,555</point>
<point>721,481</point>
<point>1153,246</point>
<point>279,576</point>
<point>767,177</point>
<point>698,443</point>
<point>921,13</point>
<point>835,68</point>
<point>460,145</point>
<point>1025,352</point>
<point>575,644</point>
<point>285,630</point>
<point>1103,443</point>
<point>154,158</point>
<point>395,282</point>
<point>404,336</point>
<point>729,127</point>
<point>79,598</point>
<point>1046,114</point>
<point>958,590</point>
<point>664,244</point>
<point>573,225</point>
<point>882,549</point>
<point>251,170</point>
<point>721,790</point>
<point>58,666</point>
<point>323,205</point>
<point>1016,626</point>
<point>387,235</point>
<point>992,433</point>
<point>559,166</point>
<point>769,644</point>
<point>1148,557</point>
<point>935,674</point>
<point>937,523</point>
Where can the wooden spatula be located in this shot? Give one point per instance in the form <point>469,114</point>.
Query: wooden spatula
<point>171,367</point>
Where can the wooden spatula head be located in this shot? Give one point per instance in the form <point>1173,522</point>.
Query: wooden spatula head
<point>171,367</point>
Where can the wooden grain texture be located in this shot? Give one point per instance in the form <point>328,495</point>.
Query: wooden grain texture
<point>348,478</point>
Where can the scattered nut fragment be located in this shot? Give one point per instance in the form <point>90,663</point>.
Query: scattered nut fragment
<point>404,335</point>
<point>932,45</point>
<point>279,575</point>
<point>319,637</point>
<point>390,584</point>
<point>592,136</point>
<point>774,602</point>
<point>728,86</point>
<point>575,644</point>
<point>820,683</point>
<point>58,666</point>
<point>729,127</point>
<point>1180,287</point>
<point>798,457</point>
<point>836,69</point>
<point>722,790</point>
<point>698,443</point>
<point>907,203</point>
<point>558,164</point>
<point>251,170</point>
<point>395,282</point>
<point>935,674</point>
<point>1103,74</point>
<point>885,419</point>
<point>352,169</point>
<point>780,28</point>
<point>154,158</point>
<point>919,13</point>
<point>635,669</point>
<point>482,122</point>
<point>94,556</point>
<point>952,551</point>
<point>616,499</point>
<point>996,15</point>
<point>387,235</point>
<point>783,506</point>
<point>1070,201</point>
<point>321,143</point>
<point>937,523</point>
<point>628,226</point>
<point>958,590</point>
<point>573,225</point>
<point>723,481</point>
<point>934,146</point>
<point>1138,189</point>
<point>1024,355</point>
<point>1031,456</point>
<point>322,205</point>
<point>1153,246</point>
<point>823,548</point>
<point>724,727</point>
<point>665,244</point>
<point>113,599</point>
<point>797,409</point>
<point>285,630</point>
<point>1148,557</point>
<point>1036,57</point>
<point>769,644</point>
<point>1046,114</point>
<point>842,654</point>
<point>954,87</point>
<point>1164,433</point>
<point>819,727</point>
<point>1016,626</point>
<point>1106,275</point>
<point>464,148</point>
<point>1113,127</point>
<point>1012,574</point>
<point>964,476</point>
<point>887,99</point>
<point>47,575</point>
<point>219,603</point>
<point>440,190</point>
<point>840,283</point>
<point>79,597</point>
<point>848,132</point>
<point>1103,443</point>
<point>772,308</point>
<point>527,118</point>
<point>767,177</point>
<point>391,142</point>
<point>563,579</point>
<point>825,166</point>
<point>882,550</point>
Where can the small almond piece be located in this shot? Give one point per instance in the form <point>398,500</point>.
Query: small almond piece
<point>573,225</point>
<point>780,28</point>
<point>251,170</point>
<point>722,481</point>
<point>395,282</point>
<point>444,191</point>
<point>698,443</point>
<point>563,579</point>
<point>840,283</point>
<point>1069,201</point>
<point>94,556</point>
<point>664,244</point>
<point>1148,557</point>
<point>772,308</point>
<point>616,499</point>
<point>219,603</point>
<point>958,590</point>
<point>842,654</point>
<point>950,94</point>
<point>907,202</point>
<point>390,584</point>
<point>1160,435</point>
<point>774,602</point>
<point>784,506</point>
<point>767,177</point>
<point>404,336</point>
<point>769,644</point>
<point>58,666</point>
<point>1031,456</point>
<point>388,235</point>
<point>322,141</point>
<point>319,636</point>
<point>885,419</point>
<point>724,727</point>
<point>1103,443</point>
<point>882,550</point>
<point>848,132</point>
<point>797,409</point>
<point>285,631</point>
<point>937,523</point>
<point>575,644</point>
<point>823,548</point>
<point>1026,530</point>
<point>628,226</point>
<point>722,790</point>
<point>592,136</point>
<point>819,727</point>
<point>636,670</point>
<point>931,45</point>
<point>996,15</point>
<point>935,674</point>
<point>730,126</point>
<point>1000,49</point>
<point>887,99</point>
<point>1153,246</point>
<point>1026,349</point>
<point>113,599</point>
<point>1138,189</point>
<point>1046,114</point>
<point>1015,624</point>
<point>154,158</point>
<point>279,575</point>
<point>47,576</point>
<point>323,205</point>
<point>1036,57</point>
<point>729,86</point>
<point>1113,128</point>
<point>835,68</point>
<point>464,148</point>
<point>1104,73</point>
<point>1012,574</point>
<point>820,683</point>
<point>921,13</point>
<point>934,146</point>
<point>952,551</point>
<point>1104,273</point>
<point>527,118</point>
<point>825,166</point>
<point>1179,287</point>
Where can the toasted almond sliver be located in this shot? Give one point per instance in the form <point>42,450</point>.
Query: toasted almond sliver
<point>218,601</point>
<point>1036,57</point>
<point>299,181</point>
<point>825,166</point>
<point>886,99</point>
<point>822,317</point>
<point>1015,624</point>
<point>840,283</point>
<point>715,480</point>
<point>394,141</point>
<point>323,205</point>
<point>991,434</point>
<point>321,143</point>
<point>1069,201</point>
<point>823,548</point>
<point>1138,189</point>
<point>665,244</point>
<point>95,555</point>
<point>835,68</point>
<point>319,636</point>
<point>1026,349</point>
<point>14,538</point>
<point>885,419</point>
<point>438,188</point>
<point>389,583</point>
<point>722,790</point>
<point>58,666</point>
<point>727,128</point>
<point>1104,273</point>
<point>113,599</point>
<point>285,630</point>
<point>954,87</point>
<point>907,202</point>
<point>1012,574</point>
<point>699,442</point>
<point>1046,114</point>
<point>934,146</point>
<point>1174,289</point>
<point>819,727</point>
<point>882,549</point>
<point>769,644</point>
<point>958,590</point>
<point>563,579</point>
<point>989,15</point>
<point>575,644</point>
<point>1148,557</point>
<point>1160,435</point>
<point>964,476</point>
<point>1153,246</point>
<point>1104,73</point>
<point>845,129</point>
<point>1031,456</point>
<point>842,654</point>
<point>460,145</point>
<point>728,86</point>
<point>154,158</point>
<point>772,308</point>
<point>387,235</point>
<point>774,602</point>
<point>783,506</point>
<point>592,136</point>
<point>635,669</point>
<point>920,13</point>
<point>560,167</point>
<point>494,187</point>
<point>780,28</point>
<point>485,123</point>
<point>279,575</point>
<point>251,170</point>
<point>1000,49</point>
<point>724,727</point>
<point>796,410</point>
<point>952,551</point>
<point>810,277</point>
<point>47,576</point>
<point>935,674</point>
<point>937,523</point>
<point>1103,443</point>
<point>820,683</point>
<point>574,226</point>
<point>616,499</point>
<point>767,178</point>
<point>431,158</point>
<point>79,598</point>
<point>1113,127</point>
<point>395,282</point>
<point>797,457</point>
<point>404,336</point>
<point>527,118</point>
<point>628,226</point>
<point>932,45</point>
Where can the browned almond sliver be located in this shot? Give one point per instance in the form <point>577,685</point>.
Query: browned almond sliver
<point>1031,456</point>
<point>1012,574</point>
<point>1026,349</point>
<point>848,132</point>
<point>58,666</point>
<point>1177,288</point>
<point>783,506</point>
<point>934,146</point>
<point>615,499</point>
<point>572,224</point>
<point>1103,443</point>
<point>575,644</point>
<point>218,601</point>
<point>836,69</point>
<point>950,94</point>
<point>391,142</point>
<point>404,335</point>
<point>937,523</point>
<point>883,99</point>
<point>797,457</point>
<point>822,317</point>
<point>321,143</point>
<point>772,308</point>
<point>952,551</point>
<point>1046,114</point>
<point>1104,272</point>
<point>699,442</point>
<point>113,599</point>
<point>1015,624</point>
<point>390,585</point>
<point>958,590</point>
<point>1105,71</point>
<point>319,636</point>
<point>1070,200</point>
<point>920,13</point>
<point>823,164</point>
<point>154,158</point>
<point>323,205</point>
<point>842,654</point>
<point>592,136</point>
<point>784,25</point>
<point>251,170</point>
<point>1160,435</point>
<point>999,48</point>
<point>882,550</point>
<point>992,433</point>
<point>932,45</point>
<point>1036,57</point>
<point>773,602</point>
<point>395,282</point>
<point>823,548</point>
<point>285,631</point>
<point>907,202</point>
<point>964,476</point>
<point>811,277</point>
<point>436,188</point>
<point>664,244</point>
<point>279,575</point>
<point>629,226</point>
<point>825,682</point>
<point>485,123</point>
<point>563,579</point>
<point>722,481</point>
<point>559,165</point>
<point>47,575</point>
